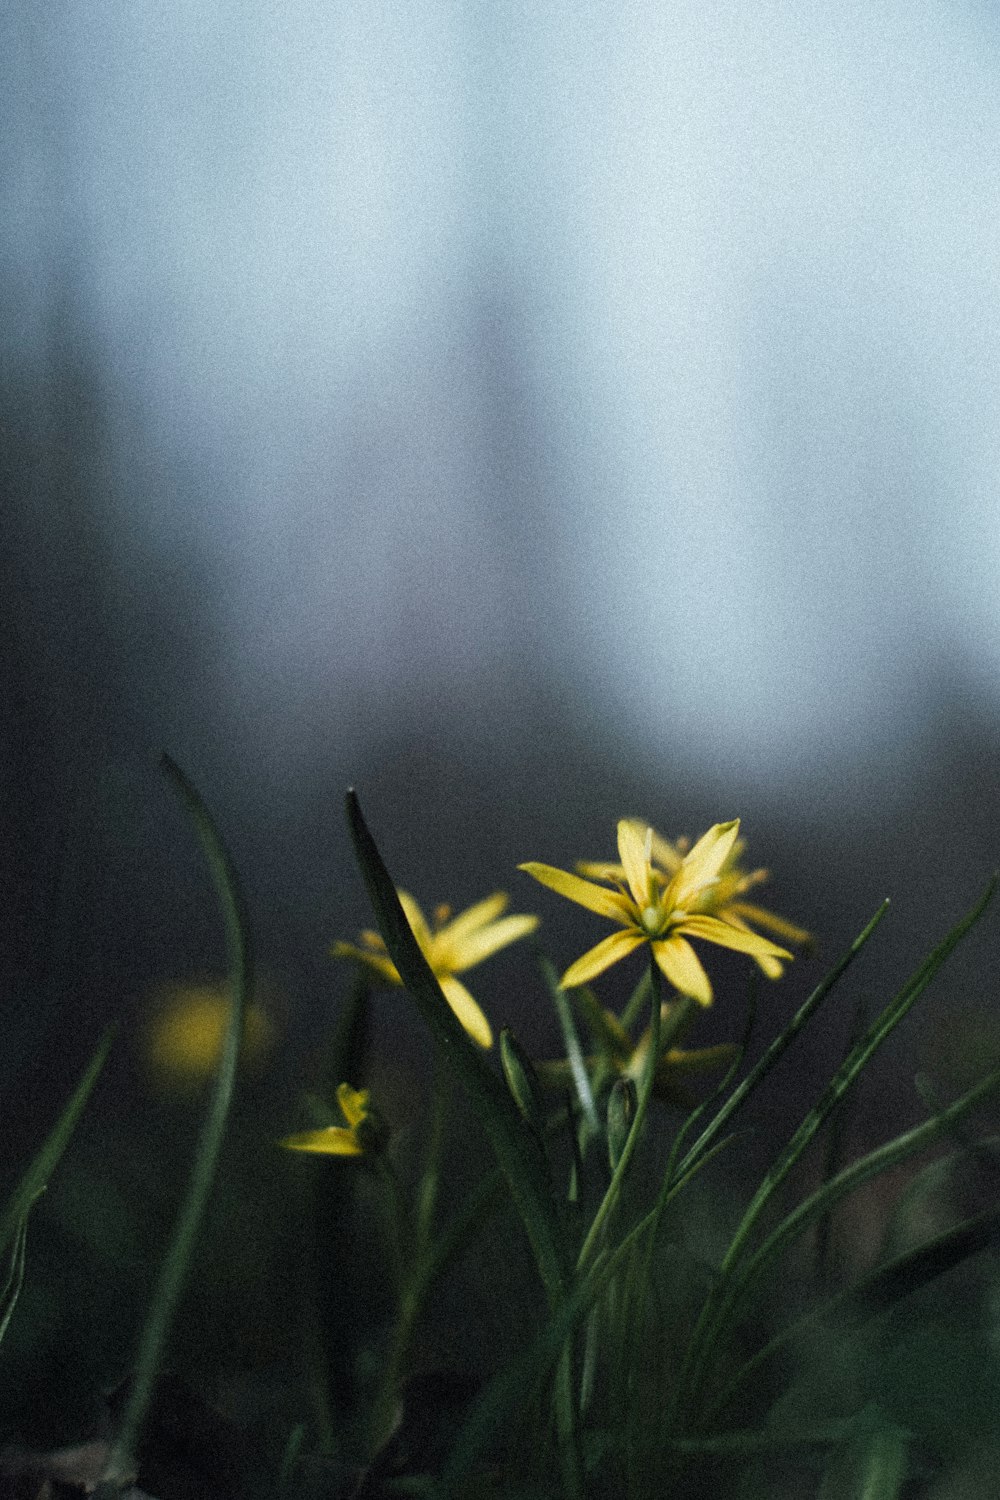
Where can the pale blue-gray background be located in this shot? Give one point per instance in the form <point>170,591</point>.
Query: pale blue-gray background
<point>525,411</point>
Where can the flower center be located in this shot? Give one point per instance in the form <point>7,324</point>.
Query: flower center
<point>651,919</point>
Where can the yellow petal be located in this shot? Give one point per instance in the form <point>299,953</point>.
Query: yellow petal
<point>466,1009</point>
<point>770,922</point>
<point>594,897</point>
<point>772,967</point>
<point>595,869</point>
<point>699,1060</point>
<point>417,921</point>
<point>333,1141</point>
<point>601,957</point>
<point>354,1103</point>
<point>479,915</point>
<point>679,962</point>
<point>382,965</point>
<point>632,853</point>
<point>727,936</point>
<point>475,946</point>
<point>665,854</point>
<point>706,859</point>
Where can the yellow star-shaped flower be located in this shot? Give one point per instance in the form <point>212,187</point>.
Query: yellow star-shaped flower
<point>722,899</point>
<point>662,910</point>
<point>451,945</point>
<point>353,1139</point>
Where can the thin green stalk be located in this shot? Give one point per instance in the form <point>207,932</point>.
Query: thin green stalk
<point>15,1277</point>
<point>166,1294</point>
<point>35,1179</point>
<point>645,1094</point>
<point>638,1001</point>
<point>571,1040</point>
<point>672,1181</point>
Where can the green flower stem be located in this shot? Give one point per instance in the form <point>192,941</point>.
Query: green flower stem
<point>645,1094</point>
<point>574,1052</point>
<point>637,1001</point>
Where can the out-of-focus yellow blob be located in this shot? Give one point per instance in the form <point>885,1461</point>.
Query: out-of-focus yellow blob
<point>184,1037</point>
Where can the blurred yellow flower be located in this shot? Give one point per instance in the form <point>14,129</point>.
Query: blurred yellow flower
<point>659,908</point>
<point>354,1139</point>
<point>620,1057</point>
<point>184,1037</point>
<point>722,899</point>
<point>450,945</point>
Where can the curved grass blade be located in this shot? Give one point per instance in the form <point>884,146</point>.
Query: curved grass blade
<point>517,1150</point>
<point>35,1179</point>
<point>15,1277</point>
<point>820,1203</point>
<point>166,1294</point>
<point>571,1041</point>
<point>721,1301</point>
<point>850,1069</point>
<point>779,1046</point>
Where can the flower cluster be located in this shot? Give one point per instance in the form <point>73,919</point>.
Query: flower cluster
<point>659,893</point>
<point>666,901</point>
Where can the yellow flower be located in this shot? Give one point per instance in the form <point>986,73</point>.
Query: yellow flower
<point>354,1139</point>
<point>661,909</point>
<point>185,1036</point>
<point>723,899</point>
<point>450,946</point>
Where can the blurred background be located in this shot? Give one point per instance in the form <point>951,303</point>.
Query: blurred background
<point>529,415</point>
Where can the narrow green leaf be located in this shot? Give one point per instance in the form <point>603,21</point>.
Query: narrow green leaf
<point>779,1046</point>
<point>819,1203</point>
<point>35,1179</point>
<point>871,1295</point>
<point>167,1291</point>
<point>850,1069</point>
<point>571,1041</point>
<point>514,1385</point>
<point>722,1301</point>
<point>517,1149</point>
<point>908,1273</point>
<point>15,1277</point>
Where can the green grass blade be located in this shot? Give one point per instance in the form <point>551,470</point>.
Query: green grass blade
<point>571,1041</point>
<point>851,1068</point>
<point>892,1154</point>
<point>15,1277</point>
<point>849,1179</point>
<point>512,1387</point>
<point>515,1145</point>
<point>35,1179</point>
<point>721,1301</point>
<point>779,1046</point>
<point>167,1291</point>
